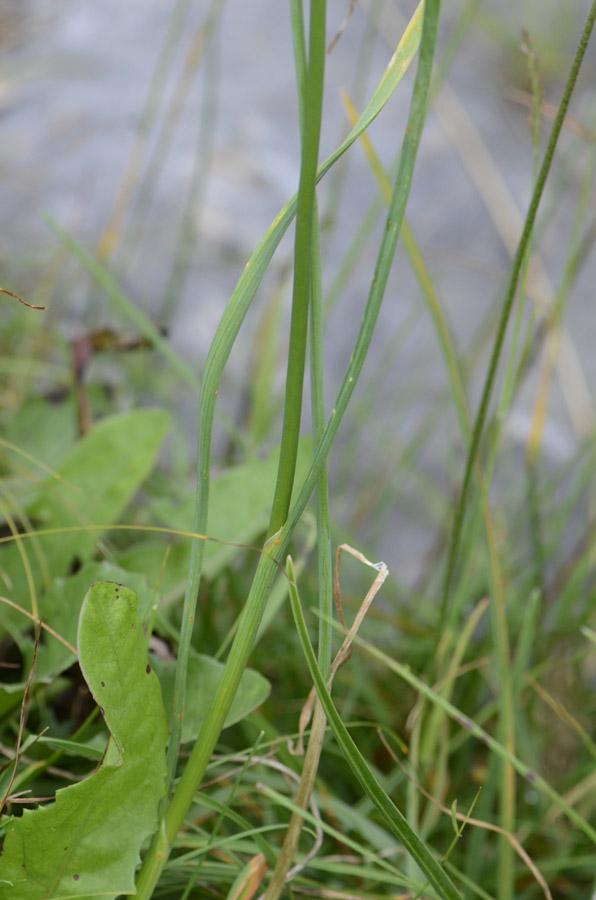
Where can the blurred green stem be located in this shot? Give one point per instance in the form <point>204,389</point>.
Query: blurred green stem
<point>160,848</point>
<point>311,130</point>
<point>506,310</point>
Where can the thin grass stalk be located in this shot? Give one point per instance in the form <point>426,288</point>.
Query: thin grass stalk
<point>159,850</point>
<point>394,819</point>
<point>303,794</point>
<point>22,551</point>
<point>352,255</point>
<point>324,554</point>
<point>431,745</point>
<point>190,223</point>
<point>525,642</point>
<point>458,32</point>
<point>337,180</point>
<point>506,309</point>
<point>164,139</point>
<point>317,734</point>
<point>324,561</point>
<point>211,840</point>
<point>552,339</point>
<point>221,349</point>
<point>155,91</point>
<point>509,381</point>
<point>300,63</point>
<point>311,131</point>
<point>339,836</point>
<point>473,729</point>
<point>510,370</point>
<point>498,609</point>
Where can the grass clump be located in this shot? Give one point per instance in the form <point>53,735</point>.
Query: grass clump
<point>164,619</point>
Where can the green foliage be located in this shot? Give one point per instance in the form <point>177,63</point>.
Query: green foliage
<point>98,477</point>
<point>240,505</point>
<point>89,839</point>
<point>203,676</point>
<point>59,609</point>
<point>455,756</point>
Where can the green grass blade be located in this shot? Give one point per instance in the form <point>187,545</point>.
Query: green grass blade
<point>537,782</point>
<point>396,822</point>
<point>216,360</point>
<point>303,245</point>
<point>225,337</point>
<point>507,307</point>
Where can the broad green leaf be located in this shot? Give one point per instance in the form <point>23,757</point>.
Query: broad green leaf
<point>203,676</point>
<point>107,466</point>
<point>87,843</point>
<point>47,430</point>
<point>101,473</point>
<point>59,609</point>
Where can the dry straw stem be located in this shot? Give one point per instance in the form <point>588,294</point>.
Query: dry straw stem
<point>38,622</point>
<point>22,551</point>
<point>586,788</point>
<point>16,297</point>
<point>454,668</point>
<point>344,651</point>
<point>548,111</point>
<point>251,881</point>
<point>267,761</point>
<point>22,719</point>
<point>155,529</point>
<point>343,26</point>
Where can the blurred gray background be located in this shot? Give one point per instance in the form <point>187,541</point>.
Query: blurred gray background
<point>222,149</point>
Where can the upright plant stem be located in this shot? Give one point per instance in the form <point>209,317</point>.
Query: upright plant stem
<point>317,734</point>
<point>499,613</point>
<point>311,130</point>
<point>316,366</point>
<point>506,310</point>
<point>319,721</point>
<point>324,556</point>
<point>160,848</point>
